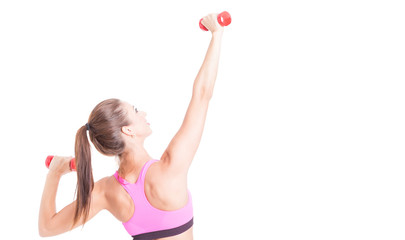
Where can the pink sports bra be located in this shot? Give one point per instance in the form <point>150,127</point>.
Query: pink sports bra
<point>149,222</point>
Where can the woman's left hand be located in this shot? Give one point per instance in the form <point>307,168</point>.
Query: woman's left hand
<point>60,165</point>
<point>211,23</point>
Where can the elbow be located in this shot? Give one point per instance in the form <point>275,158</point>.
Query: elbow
<point>203,94</point>
<point>44,231</point>
<point>207,95</point>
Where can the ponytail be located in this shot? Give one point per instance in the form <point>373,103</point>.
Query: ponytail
<point>104,125</point>
<point>85,181</point>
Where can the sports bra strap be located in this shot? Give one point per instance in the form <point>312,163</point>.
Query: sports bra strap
<point>141,177</point>
<point>145,168</point>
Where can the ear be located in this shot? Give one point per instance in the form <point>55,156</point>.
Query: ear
<point>127,130</point>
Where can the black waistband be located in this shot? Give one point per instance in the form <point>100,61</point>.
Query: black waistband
<point>164,233</point>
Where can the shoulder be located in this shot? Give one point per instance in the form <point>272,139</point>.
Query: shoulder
<point>117,199</point>
<point>164,189</point>
<point>100,189</point>
<point>160,174</point>
<point>108,188</point>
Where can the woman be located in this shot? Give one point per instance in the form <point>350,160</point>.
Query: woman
<point>149,196</point>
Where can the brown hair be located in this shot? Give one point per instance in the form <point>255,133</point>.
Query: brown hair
<point>105,123</point>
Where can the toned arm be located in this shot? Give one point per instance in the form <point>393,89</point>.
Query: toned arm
<point>181,150</point>
<point>51,223</point>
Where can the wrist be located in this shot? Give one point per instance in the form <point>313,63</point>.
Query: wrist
<point>54,175</point>
<point>217,34</point>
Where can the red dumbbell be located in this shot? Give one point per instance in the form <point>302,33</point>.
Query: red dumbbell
<point>72,163</point>
<point>224,19</point>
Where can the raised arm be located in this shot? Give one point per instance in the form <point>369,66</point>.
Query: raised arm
<point>182,148</point>
<point>205,80</point>
<point>50,222</point>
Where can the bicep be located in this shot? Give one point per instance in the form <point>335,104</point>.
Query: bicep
<point>182,148</point>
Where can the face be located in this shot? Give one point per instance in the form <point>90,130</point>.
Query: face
<point>139,125</point>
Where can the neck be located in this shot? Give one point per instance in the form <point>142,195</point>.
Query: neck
<point>133,159</point>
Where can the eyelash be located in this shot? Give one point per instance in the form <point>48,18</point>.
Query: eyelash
<point>136,110</point>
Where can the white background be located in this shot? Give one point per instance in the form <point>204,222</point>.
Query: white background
<point>305,133</point>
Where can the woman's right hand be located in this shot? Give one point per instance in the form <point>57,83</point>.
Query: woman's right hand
<point>60,165</point>
<point>211,23</point>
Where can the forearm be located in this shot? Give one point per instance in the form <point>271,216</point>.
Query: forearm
<point>48,207</point>
<point>205,80</point>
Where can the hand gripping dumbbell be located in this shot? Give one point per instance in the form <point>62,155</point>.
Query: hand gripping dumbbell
<point>224,19</point>
<point>72,163</point>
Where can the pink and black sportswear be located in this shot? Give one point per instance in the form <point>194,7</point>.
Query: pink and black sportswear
<point>149,222</point>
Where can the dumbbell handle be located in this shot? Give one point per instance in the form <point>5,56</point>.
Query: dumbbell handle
<point>72,163</point>
<point>224,19</point>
